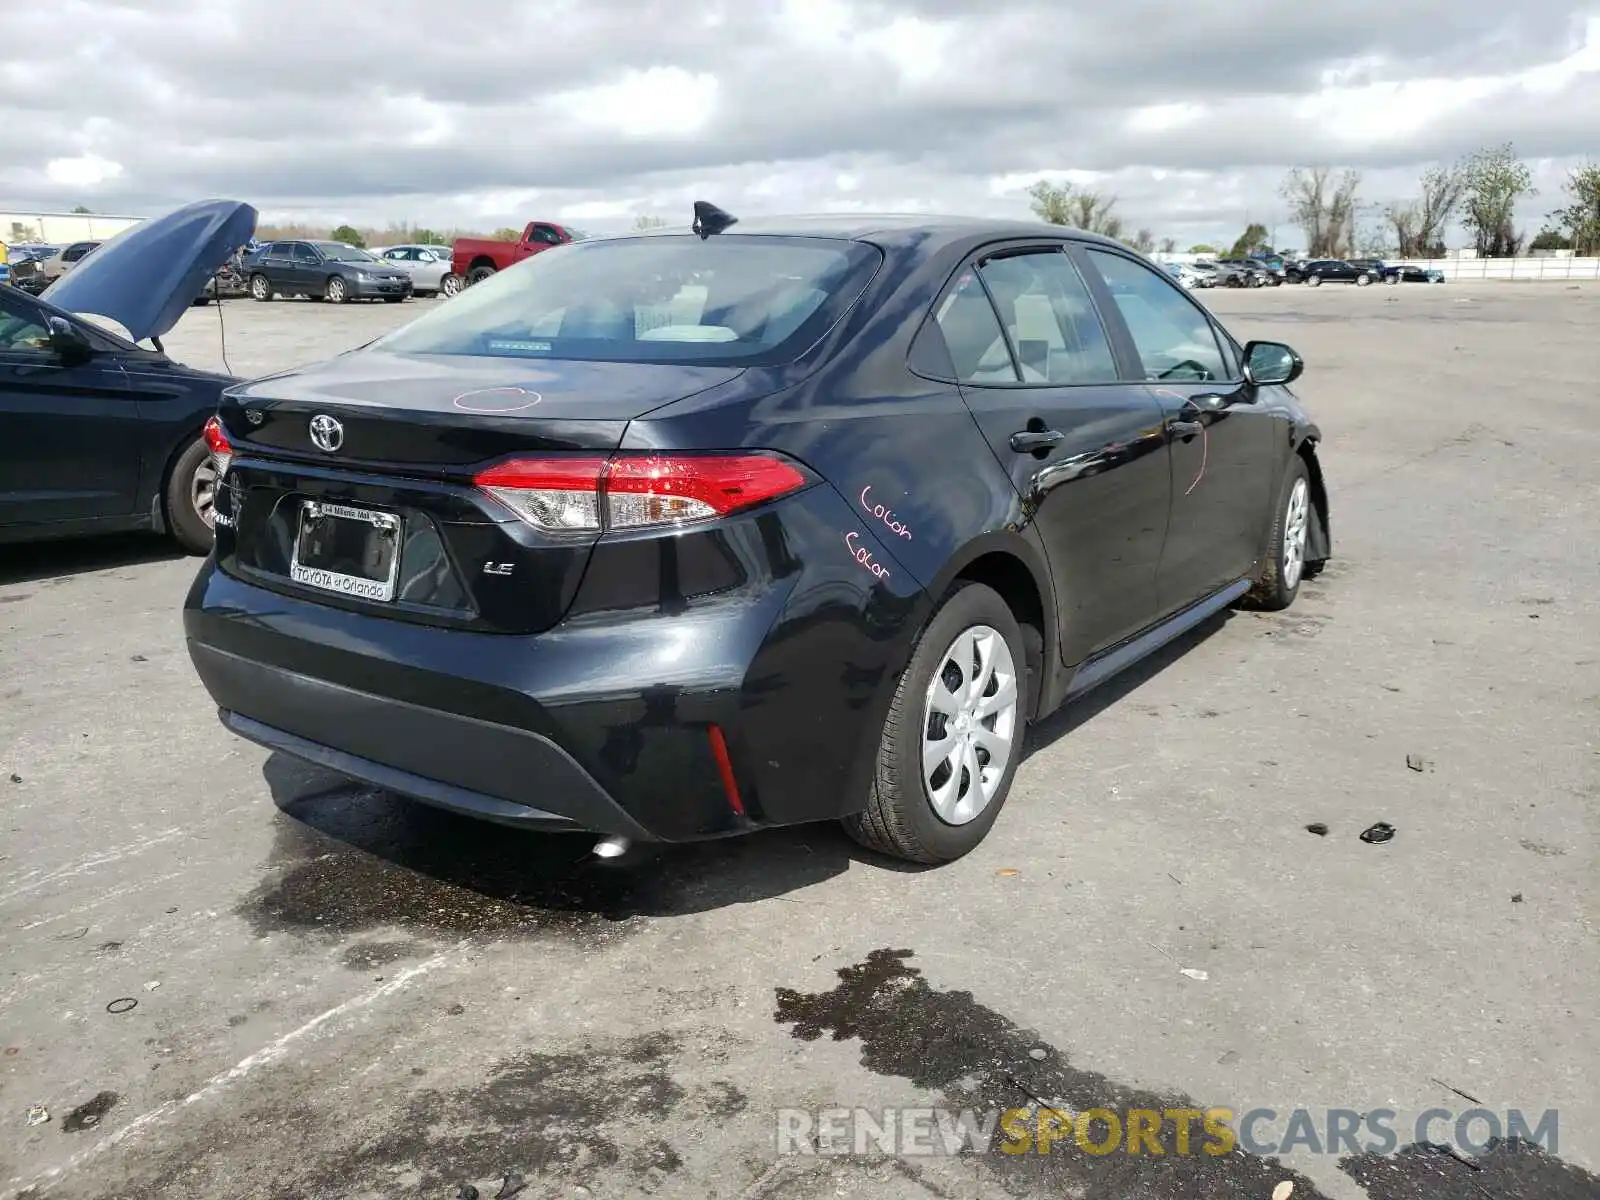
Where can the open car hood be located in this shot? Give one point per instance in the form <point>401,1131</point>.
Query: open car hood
<point>146,277</point>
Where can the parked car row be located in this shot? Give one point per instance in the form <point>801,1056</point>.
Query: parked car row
<point>1252,272</point>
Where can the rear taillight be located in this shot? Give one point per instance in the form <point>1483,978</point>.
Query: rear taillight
<point>217,442</point>
<point>637,491</point>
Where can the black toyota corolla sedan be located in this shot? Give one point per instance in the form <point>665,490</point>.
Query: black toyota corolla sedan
<point>682,534</point>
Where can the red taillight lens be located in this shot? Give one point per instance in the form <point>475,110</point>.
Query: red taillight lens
<point>637,491</point>
<point>217,442</point>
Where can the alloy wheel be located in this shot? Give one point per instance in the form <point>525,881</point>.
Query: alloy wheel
<point>1296,525</point>
<point>203,490</point>
<point>260,289</point>
<point>969,724</point>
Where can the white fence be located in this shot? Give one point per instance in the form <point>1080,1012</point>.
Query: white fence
<point>1531,269</point>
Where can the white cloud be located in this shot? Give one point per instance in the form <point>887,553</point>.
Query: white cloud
<point>84,171</point>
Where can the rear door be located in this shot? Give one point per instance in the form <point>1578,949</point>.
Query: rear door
<point>69,435</point>
<point>1083,446</point>
<point>1224,444</point>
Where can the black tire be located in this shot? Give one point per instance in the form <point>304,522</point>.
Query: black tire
<point>1313,280</point>
<point>393,299</point>
<point>451,285</point>
<point>1278,582</point>
<point>260,288</point>
<point>335,291</point>
<point>1391,279</point>
<point>478,275</point>
<point>200,302</point>
<point>185,519</point>
<point>1363,280</point>
<point>899,818</point>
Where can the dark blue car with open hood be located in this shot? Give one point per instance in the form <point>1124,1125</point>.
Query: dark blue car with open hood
<point>97,432</point>
<point>691,532</point>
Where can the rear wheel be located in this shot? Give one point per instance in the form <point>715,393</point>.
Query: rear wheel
<point>1391,279</point>
<point>191,497</point>
<point>478,275</point>
<point>260,288</point>
<point>336,292</point>
<point>953,736</point>
<point>1284,564</point>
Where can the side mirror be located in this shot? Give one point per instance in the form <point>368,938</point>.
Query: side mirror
<point>1271,363</point>
<point>68,342</point>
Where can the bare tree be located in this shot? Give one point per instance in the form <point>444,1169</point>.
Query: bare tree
<point>1305,190</point>
<point>1169,245</point>
<point>1405,219</point>
<point>648,222</point>
<point>1494,179</point>
<point>1324,207</point>
<point>1143,241</point>
<point>1441,195</point>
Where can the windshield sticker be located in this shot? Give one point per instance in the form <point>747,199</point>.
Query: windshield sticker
<point>886,515</point>
<point>520,347</point>
<point>496,400</point>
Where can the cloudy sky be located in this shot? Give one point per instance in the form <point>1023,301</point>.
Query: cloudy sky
<point>493,112</point>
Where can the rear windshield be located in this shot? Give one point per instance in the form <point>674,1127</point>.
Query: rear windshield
<point>730,300</point>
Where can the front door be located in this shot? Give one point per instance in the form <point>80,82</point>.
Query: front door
<point>1223,444</point>
<point>69,435</point>
<point>1084,447</point>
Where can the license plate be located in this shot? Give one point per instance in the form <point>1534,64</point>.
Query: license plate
<point>351,551</point>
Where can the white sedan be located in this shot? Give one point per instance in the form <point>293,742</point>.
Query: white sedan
<point>427,265</point>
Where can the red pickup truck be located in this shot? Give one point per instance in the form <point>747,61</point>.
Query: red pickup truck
<point>475,259</point>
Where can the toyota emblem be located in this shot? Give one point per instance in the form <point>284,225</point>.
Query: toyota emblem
<point>326,433</point>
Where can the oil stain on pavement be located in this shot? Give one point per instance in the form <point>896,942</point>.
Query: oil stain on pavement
<point>349,861</point>
<point>976,1058</point>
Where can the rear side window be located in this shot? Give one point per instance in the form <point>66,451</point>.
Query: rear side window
<point>1050,319</point>
<point>737,299</point>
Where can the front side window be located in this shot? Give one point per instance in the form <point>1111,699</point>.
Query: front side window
<point>739,299</point>
<point>1171,333</point>
<point>22,328</point>
<point>339,252</point>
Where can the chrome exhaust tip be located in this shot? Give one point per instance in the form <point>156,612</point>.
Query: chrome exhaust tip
<point>612,847</point>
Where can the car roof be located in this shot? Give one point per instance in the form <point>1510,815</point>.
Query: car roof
<point>883,228</point>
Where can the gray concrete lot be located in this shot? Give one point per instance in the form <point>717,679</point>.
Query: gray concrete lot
<point>341,994</point>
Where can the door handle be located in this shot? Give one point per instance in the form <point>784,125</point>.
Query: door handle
<point>1026,441</point>
<point>1184,429</point>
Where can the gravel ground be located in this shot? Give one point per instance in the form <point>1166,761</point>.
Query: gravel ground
<point>341,994</point>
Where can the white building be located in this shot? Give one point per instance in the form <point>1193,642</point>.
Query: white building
<point>58,229</point>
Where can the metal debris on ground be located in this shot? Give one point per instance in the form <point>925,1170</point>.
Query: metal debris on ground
<point>1416,762</point>
<point>1038,1055</point>
<point>1516,897</point>
<point>1318,828</point>
<point>1376,833</point>
<point>121,1005</point>
<point>1192,973</point>
<point>38,1114</point>
<point>152,985</point>
<point>510,1186</point>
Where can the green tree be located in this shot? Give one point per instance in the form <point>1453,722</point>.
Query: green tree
<point>1550,239</point>
<point>1581,218</point>
<point>349,235</point>
<point>429,237</point>
<point>1203,248</point>
<point>80,209</point>
<point>1063,204</point>
<point>507,234</point>
<point>1493,180</point>
<point>1252,239</point>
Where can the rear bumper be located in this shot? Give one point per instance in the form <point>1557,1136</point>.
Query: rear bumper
<point>441,758</point>
<point>627,717</point>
